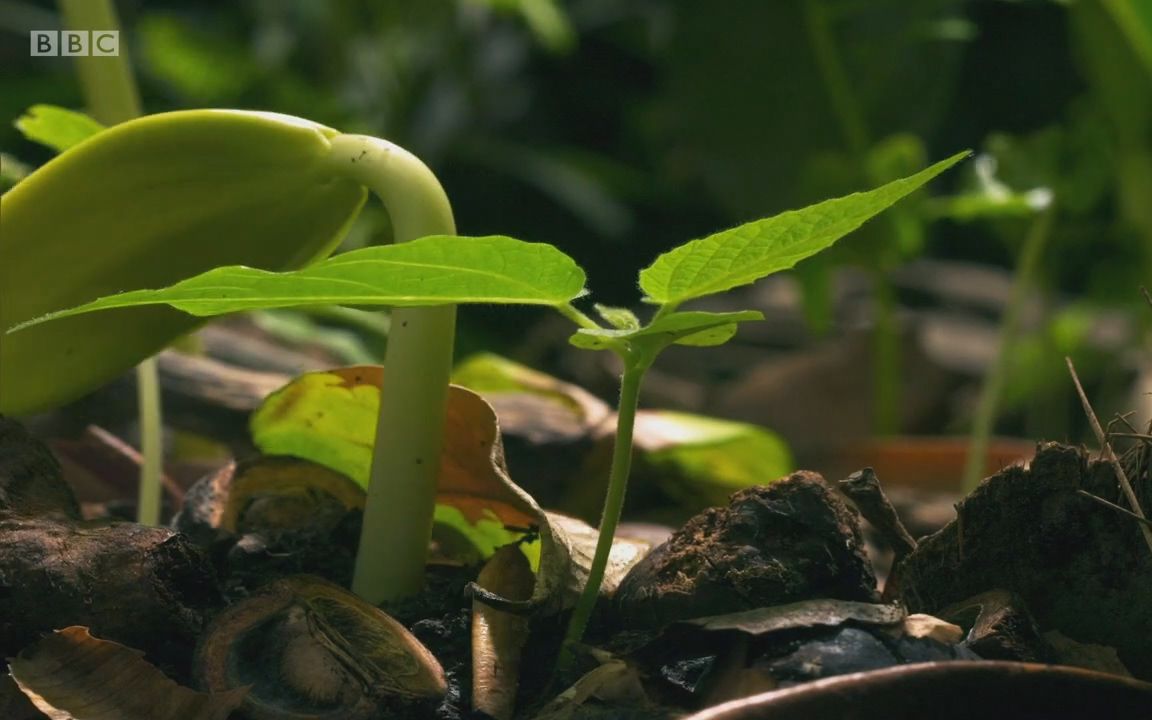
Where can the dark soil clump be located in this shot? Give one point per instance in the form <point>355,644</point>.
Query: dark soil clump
<point>1081,568</point>
<point>774,544</point>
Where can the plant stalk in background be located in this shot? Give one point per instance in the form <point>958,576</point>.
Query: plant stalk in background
<point>886,387</point>
<point>1025,278</point>
<point>112,97</point>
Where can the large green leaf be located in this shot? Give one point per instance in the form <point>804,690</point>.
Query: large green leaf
<point>754,250</point>
<point>436,270</point>
<point>146,203</point>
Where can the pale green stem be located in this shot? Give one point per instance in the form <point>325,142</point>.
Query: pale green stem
<point>885,358</point>
<point>613,505</point>
<point>665,310</point>
<point>569,311</point>
<point>994,378</point>
<point>844,105</point>
<point>151,443</point>
<point>418,362</point>
<point>109,87</point>
<point>112,97</point>
<point>854,128</point>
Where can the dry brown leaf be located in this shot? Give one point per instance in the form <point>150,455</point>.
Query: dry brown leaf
<point>615,682</point>
<point>70,675</point>
<point>803,614</point>
<point>474,479</point>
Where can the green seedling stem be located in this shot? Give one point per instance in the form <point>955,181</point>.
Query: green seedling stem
<point>112,97</point>
<point>630,382</point>
<point>410,430</point>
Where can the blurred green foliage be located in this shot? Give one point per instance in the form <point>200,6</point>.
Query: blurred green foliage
<point>615,129</point>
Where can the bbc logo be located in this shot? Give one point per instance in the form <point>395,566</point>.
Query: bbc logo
<point>98,43</point>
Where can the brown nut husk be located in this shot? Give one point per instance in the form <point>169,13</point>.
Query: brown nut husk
<point>311,650</point>
<point>269,492</point>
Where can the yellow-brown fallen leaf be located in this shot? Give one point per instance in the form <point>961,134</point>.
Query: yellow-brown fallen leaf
<point>70,675</point>
<point>498,636</point>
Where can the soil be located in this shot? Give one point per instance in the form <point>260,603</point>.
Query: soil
<point>794,539</point>
<point>1059,561</point>
<point>1079,567</point>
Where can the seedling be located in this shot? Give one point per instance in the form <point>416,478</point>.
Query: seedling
<point>422,279</point>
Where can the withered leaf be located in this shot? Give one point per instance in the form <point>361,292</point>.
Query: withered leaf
<point>70,675</point>
<point>803,614</point>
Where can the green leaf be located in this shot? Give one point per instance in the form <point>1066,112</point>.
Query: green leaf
<point>716,335</point>
<point>754,250</point>
<point>1134,21</point>
<point>144,204</point>
<point>695,327</point>
<point>618,317</point>
<point>56,127</point>
<point>462,540</point>
<point>326,417</point>
<point>436,270</point>
<point>205,68</point>
<point>700,460</point>
<point>492,375</point>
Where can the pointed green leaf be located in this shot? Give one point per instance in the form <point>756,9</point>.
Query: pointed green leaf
<point>754,250</point>
<point>56,127</point>
<point>144,204</point>
<point>436,270</point>
<point>695,327</point>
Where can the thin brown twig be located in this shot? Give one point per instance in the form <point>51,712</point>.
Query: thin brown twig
<point>1117,508</point>
<point>1132,435</point>
<point>1106,449</point>
<point>1122,418</point>
<point>1147,295</point>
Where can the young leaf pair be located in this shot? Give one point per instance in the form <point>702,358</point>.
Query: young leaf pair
<point>449,270</point>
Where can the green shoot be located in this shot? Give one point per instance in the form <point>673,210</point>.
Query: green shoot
<point>425,277</point>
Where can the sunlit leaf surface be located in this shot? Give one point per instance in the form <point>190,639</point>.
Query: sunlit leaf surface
<point>754,250</point>
<point>436,270</point>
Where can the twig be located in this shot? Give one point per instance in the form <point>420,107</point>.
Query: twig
<point>1114,506</point>
<point>1121,419</point>
<point>1147,295</point>
<point>1132,435</point>
<point>864,489</point>
<point>1106,449</point>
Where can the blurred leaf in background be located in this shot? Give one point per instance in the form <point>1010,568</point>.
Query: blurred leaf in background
<point>615,130</point>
